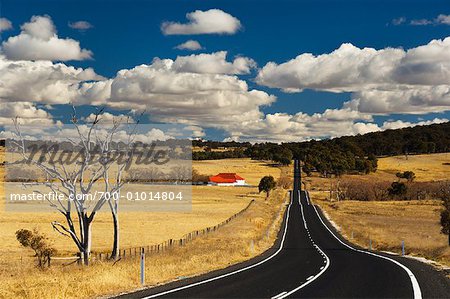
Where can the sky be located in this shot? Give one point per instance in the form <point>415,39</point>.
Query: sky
<point>229,70</point>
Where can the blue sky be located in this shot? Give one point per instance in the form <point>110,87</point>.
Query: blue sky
<point>125,34</point>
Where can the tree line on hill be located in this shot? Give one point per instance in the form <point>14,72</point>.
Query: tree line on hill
<point>348,154</point>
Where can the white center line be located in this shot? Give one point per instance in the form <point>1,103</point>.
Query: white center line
<point>233,272</point>
<point>314,277</point>
<point>415,284</point>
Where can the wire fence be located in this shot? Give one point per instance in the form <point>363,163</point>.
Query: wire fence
<point>170,243</point>
<point>156,248</point>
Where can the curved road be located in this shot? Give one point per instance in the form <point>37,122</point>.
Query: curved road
<point>309,261</point>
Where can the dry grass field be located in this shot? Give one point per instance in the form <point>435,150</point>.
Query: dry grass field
<point>210,206</point>
<point>251,170</point>
<point>432,167</point>
<point>387,223</point>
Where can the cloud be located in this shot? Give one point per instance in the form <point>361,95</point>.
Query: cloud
<point>80,25</point>
<point>192,45</point>
<point>439,20</point>
<point>109,118</point>
<point>382,81</point>
<point>196,131</point>
<point>443,19</point>
<point>421,22</point>
<point>38,40</point>
<point>415,100</point>
<point>5,24</point>
<point>350,68</point>
<point>60,132</point>
<point>346,69</point>
<point>175,96</point>
<point>175,91</point>
<point>203,90</point>
<point>214,63</point>
<point>399,124</point>
<point>398,21</point>
<point>43,82</point>
<point>282,127</point>
<point>213,21</point>
<point>27,112</point>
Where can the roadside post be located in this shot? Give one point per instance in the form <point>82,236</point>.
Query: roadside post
<point>142,266</point>
<point>403,248</point>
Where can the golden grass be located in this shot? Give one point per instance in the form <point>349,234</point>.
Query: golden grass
<point>249,169</point>
<point>230,244</point>
<point>426,167</point>
<point>210,206</point>
<point>387,223</point>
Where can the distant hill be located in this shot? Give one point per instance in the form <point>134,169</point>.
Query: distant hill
<point>337,155</point>
<point>343,154</point>
<point>415,140</point>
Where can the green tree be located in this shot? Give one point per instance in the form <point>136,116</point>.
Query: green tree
<point>397,189</point>
<point>445,220</point>
<point>408,175</point>
<point>267,184</point>
<point>444,194</point>
<point>283,156</point>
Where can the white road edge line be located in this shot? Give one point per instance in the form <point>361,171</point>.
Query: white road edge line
<point>323,269</point>
<point>231,273</point>
<point>278,296</point>
<point>415,284</point>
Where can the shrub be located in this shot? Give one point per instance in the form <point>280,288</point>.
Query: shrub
<point>363,190</point>
<point>284,182</point>
<point>21,174</point>
<point>198,177</point>
<point>444,194</point>
<point>408,175</point>
<point>397,189</point>
<point>39,243</point>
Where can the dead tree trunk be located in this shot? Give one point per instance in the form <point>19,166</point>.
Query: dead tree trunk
<point>87,239</point>
<point>115,247</point>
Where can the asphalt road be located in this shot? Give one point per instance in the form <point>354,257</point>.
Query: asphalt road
<point>309,260</point>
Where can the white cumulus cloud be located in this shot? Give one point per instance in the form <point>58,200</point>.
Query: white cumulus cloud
<point>214,63</point>
<point>175,91</point>
<point>213,21</point>
<point>27,112</point>
<point>5,24</point>
<point>399,124</point>
<point>192,45</point>
<point>42,81</point>
<point>38,40</point>
<point>80,25</point>
<point>350,68</point>
<point>382,81</point>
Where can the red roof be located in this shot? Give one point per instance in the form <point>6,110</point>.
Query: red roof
<point>225,178</point>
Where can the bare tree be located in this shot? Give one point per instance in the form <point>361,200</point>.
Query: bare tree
<point>77,183</point>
